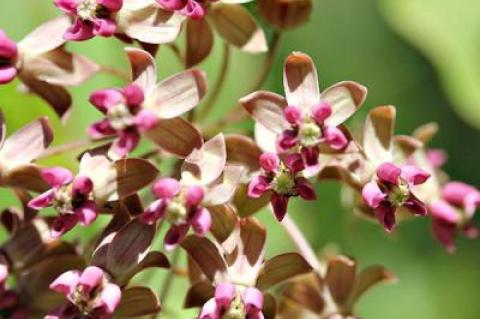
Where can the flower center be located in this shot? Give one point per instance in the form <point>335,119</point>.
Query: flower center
<point>284,182</point>
<point>236,309</point>
<point>399,194</point>
<point>84,301</point>
<point>120,117</point>
<point>309,134</point>
<point>176,211</point>
<point>87,9</point>
<point>63,199</point>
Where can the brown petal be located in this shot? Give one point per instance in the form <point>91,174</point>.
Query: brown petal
<point>280,268</point>
<point>306,295</point>
<point>177,94</point>
<point>243,150</point>
<point>198,294</point>
<point>269,309</point>
<point>59,67</point>
<point>56,96</point>
<point>247,206</point>
<point>28,177</point>
<point>223,221</point>
<point>370,277</point>
<point>176,136</point>
<point>345,98</point>
<point>133,174</point>
<point>134,204</point>
<point>266,108</point>
<point>407,144</point>
<point>340,278</point>
<point>253,236</point>
<point>136,302</point>
<point>300,81</point>
<point>238,27</point>
<point>144,68</point>
<point>426,132</point>
<point>206,256</point>
<point>128,248</point>
<point>199,41</point>
<point>378,134</point>
<point>26,144</point>
<point>46,37</point>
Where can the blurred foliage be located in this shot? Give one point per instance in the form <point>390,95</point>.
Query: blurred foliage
<point>348,39</point>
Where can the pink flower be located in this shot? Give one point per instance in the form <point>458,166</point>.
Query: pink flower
<point>89,293</point>
<point>232,301</point>
<point>454,212</point>
<point>8,59</point>
<point>284,179</point>
<point>124,116</point>
<point>194,9</point>
<point>71,196</point>
<point>392,190</point>
<point>182,207</point>
<point>91,17</point>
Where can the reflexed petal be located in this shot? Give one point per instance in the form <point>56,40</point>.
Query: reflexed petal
<point>82,185</point>
<point>91,278</point>
<point>253,299</point>
<point>269,161</point>
<point>194,10</point>
<point>445,233</point>
<point>267,109</point>
<point>294,163</point>
<point>279,205</point>
<point>101,129</point>
<point>104,27</point>
<point>144,68</point>
<point>43,200</point>
<point>104,99</point>
<point>66,282</point>
<point>224,294</point>
<point>57,176</point>
<point>340,278</point>
<point>166,188</point>
<point>321,112</point>
<point>386,215</point>
<point>110,297</point>
<point>389,172</point>
<point>293,114</point>
<point>126,143</point>
<point>62,224</point>
<point>79,31</point>
<point>258,186</point>
<point>201,222</point>
<point>442,210</point>
<point>300,81</point>
<point>49,35</point>
<point>414,175</point>
<point>416,206</point>
<point>87,213</point>
<point>199,41</point>
<point>372,194</point>
<point>194,196</point>
<point>305,189</point>
<point>335,138</point>
<point>175,235</point>
<point>68,6</point>
<point>134,95</point>
<point>344,98</point>
<point>7,74</point>
<point>378,134</point>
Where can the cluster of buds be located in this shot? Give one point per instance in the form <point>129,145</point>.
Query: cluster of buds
<point>210,185</point>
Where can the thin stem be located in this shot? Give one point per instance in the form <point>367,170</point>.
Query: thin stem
<point>302,243</point>
<point>119,73</point>
<point>167,284</point>
<point>268,63</point>
<point>220,82</point>
<point>64,148</point>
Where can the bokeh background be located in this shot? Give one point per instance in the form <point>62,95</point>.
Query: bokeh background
<point>422,56</point>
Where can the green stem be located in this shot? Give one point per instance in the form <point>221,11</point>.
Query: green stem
<point>220,82</point>
<point>167,284</point>
<point>119,73</point>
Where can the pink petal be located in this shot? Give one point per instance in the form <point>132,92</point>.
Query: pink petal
<point>389,172</point>
<point>436,157</point>
<point>91,278</point>
<point>269,161</point>
<point>305,189</point>
<point>461,195</point>
<point>253,299</point>
<point>82,185</point>
<point>42,200</point>
<point>321,112</point>
<point>110,298</point>
<point>194,10</point>
<point>294,163</point>
<point>471,203</point>
<point>166,188</point>
<point>372,195</point>
<point>63,224</point>
<point>194,196</point>
<point>87,213</point>
<point>57,176</point>
<point>104,99</point>
<point>257,186</point>
<point>335,138</point>
<point>293,114</point>
<point>175,235</point>
<point>111,5</point>
<point>444,211</point>
<point>310,155</point>
<point>104,27</point>
<point>133,94</point>
<point>286,140</point>
<point>210,310</point>
<point>201,222</point>
<point>386,215</point>
<point>224,294</point>
<point>279,205</point>
<point>154,212</point>
<point>101,129</point>
<point>445,233</point>
<point>414,175</point>
<point>146,120</point>
<point>415,206</point>
<point>7,74</point>
<point>8,48</point>
<point>127,142</point>
<point>66,282</point>
<point>68,6</point>
<point>79,31</point>
<point>172,5</point>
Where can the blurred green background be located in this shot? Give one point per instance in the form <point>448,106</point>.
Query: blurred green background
<point>419,55</point>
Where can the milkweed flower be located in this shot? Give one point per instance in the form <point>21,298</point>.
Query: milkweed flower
<point>392,189</point>
<point>284,178</point>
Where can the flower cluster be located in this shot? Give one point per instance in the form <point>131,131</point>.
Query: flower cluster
<point>196,187</point>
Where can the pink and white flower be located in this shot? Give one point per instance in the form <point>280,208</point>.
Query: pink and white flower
<point>392,190</point>
<point>89,292</point>
<point>284,178</point>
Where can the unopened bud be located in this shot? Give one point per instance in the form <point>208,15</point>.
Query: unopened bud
<point>285,14</point>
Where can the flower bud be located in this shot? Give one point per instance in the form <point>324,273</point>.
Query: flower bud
<point>285,14</point>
